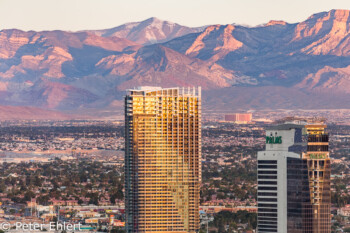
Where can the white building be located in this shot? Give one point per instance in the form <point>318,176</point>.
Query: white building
<point>280,173</point>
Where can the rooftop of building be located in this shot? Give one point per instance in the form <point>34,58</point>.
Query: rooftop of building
<point>147,88</point>
<point>302,120</point>
<point>285,127</point>
<point>172,91</point>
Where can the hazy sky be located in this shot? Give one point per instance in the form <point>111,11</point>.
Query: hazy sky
<point>98,14</point>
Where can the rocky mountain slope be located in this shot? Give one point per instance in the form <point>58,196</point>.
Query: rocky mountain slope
<point>275,53</point>
<point>149,31</point>
<point>300,65</point>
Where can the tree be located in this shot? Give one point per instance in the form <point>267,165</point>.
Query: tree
<point>93,198</point>
<point>43,200</point>
<point>2,186</point>
<point>37,181</point>
<point>117,230</point>
<point>28,196</point>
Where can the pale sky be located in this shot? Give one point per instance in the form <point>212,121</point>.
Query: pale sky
<point>76,15</point>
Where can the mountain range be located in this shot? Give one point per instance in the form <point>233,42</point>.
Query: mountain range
<point>277,65</point>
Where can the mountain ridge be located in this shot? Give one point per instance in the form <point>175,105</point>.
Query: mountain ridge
<point>91,69</point>
<point>149,31</point>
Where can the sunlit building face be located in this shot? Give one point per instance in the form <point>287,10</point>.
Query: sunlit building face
<point>317,216</point>
<point>162,159</point>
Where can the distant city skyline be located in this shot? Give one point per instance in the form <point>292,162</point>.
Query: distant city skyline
<point>74,15</point>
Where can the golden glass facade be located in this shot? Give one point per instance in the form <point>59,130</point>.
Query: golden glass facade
<point>316,214</point>
<point>162,159</point>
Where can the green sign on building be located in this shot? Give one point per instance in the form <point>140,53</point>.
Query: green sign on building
<point>273,140</point>
<point>317,156</point>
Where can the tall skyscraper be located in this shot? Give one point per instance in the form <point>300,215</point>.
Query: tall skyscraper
<point>294,180</point>
<point>162,159</point>
<point>280,180</point>
<point>317,211</point>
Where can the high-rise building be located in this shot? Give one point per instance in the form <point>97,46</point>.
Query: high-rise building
<point>294,180</point>
<point>162,159</point>
<point>317,211</point>
<point>281,175</point>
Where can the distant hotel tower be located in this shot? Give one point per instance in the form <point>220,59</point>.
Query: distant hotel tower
<point>294,180</point>
<point>317,212</point>
<point>239,117</point>
<point>162,159</point>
